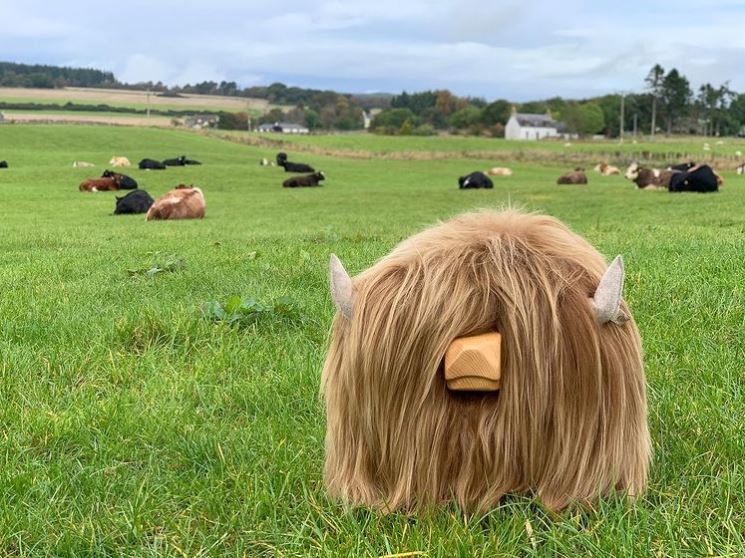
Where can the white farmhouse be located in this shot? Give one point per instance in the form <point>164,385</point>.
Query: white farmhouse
<point>523,126</point>
<point>283,128</point>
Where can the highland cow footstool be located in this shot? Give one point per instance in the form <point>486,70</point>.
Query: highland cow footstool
<point>490,354</point>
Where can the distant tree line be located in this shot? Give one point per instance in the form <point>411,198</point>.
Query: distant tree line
<point>667,104</point>
<point>39,76</point>
<point>427,112</point>
<point>316,108</point>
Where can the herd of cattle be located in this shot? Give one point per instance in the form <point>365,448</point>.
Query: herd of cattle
<point>182,202</point>
<point>187,202</point>
<point>686,177</point>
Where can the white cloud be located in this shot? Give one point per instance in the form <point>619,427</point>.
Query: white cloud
<point>139,67</point>
<point>512,48</point>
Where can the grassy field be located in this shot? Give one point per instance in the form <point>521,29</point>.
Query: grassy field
<point>391,144</point>
<point>130,99</point>
<point>134,425</point>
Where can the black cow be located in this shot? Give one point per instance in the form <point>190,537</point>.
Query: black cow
<point>292,167</point>
<point>138,201</point>
<point>125,182</point>
<point>191,162</point>
<point>151,164</point>
<point>177,162</point>
<point>297,167</point>
<point>475,180</point>
<point>304,181</point>
<point>3,164</point>
<point>683,167</point>
<point>699,179</point>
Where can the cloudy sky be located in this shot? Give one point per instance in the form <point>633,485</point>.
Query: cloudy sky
<point>515,49</point>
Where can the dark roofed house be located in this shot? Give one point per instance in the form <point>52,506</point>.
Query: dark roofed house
<point>524,126</point>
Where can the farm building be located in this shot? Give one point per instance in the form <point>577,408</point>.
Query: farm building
<point>283,128</point>
<point>200,121</point>
<point>523,126</point>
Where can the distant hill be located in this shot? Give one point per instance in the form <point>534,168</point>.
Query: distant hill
<point>56,77</point>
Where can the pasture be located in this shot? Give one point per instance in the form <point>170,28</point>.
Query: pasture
<point>130,98</point>
<point>134,423</point>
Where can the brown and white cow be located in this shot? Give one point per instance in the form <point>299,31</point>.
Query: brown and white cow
<point>104,184</point>
<point>649,179</point>
<point>183,202</point>
<point>606,170</point>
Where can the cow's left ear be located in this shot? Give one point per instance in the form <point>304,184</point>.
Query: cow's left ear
<point>342,290</point>
<point>607,299</point>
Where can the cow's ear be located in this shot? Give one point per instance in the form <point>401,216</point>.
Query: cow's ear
<point>342,290</point>
<point>607,299</point>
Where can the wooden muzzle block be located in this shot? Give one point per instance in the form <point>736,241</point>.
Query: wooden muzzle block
<point>473,363</point>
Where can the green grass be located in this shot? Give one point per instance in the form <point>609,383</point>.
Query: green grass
<point>132,425</point>
<point>389,144</point>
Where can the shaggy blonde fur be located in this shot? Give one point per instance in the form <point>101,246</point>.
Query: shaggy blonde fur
<point>569,423</point>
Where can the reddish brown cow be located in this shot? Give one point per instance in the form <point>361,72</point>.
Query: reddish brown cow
<point>183,202</point>
<point>99,184</point>
<point>577,176</point>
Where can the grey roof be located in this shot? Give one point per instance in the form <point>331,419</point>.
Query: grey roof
<point>536,120</point>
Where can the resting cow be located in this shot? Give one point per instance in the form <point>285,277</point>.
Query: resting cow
<point>151,164</point>
<point>99,184</point>
<point>701,178</point>
<point>125,182</point>
<point>606,170</point>
<point>297,167</point>
<point>176,162</point>
<point>476,179</point>
<point>499,171</point>
<point>138,201</point>
<point>3,164</point>
<point>120,162</point>
<point>577,176</point>
<point>292,167</point>
<point>82,165</point>
<point>183,202</point>
<point>683,167</point>
<point>304,181</point>
<point>180,162</point>
<point>649,179</point>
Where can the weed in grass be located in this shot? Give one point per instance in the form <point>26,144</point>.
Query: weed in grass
<point>249,311</point>
<point>163,263</point>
